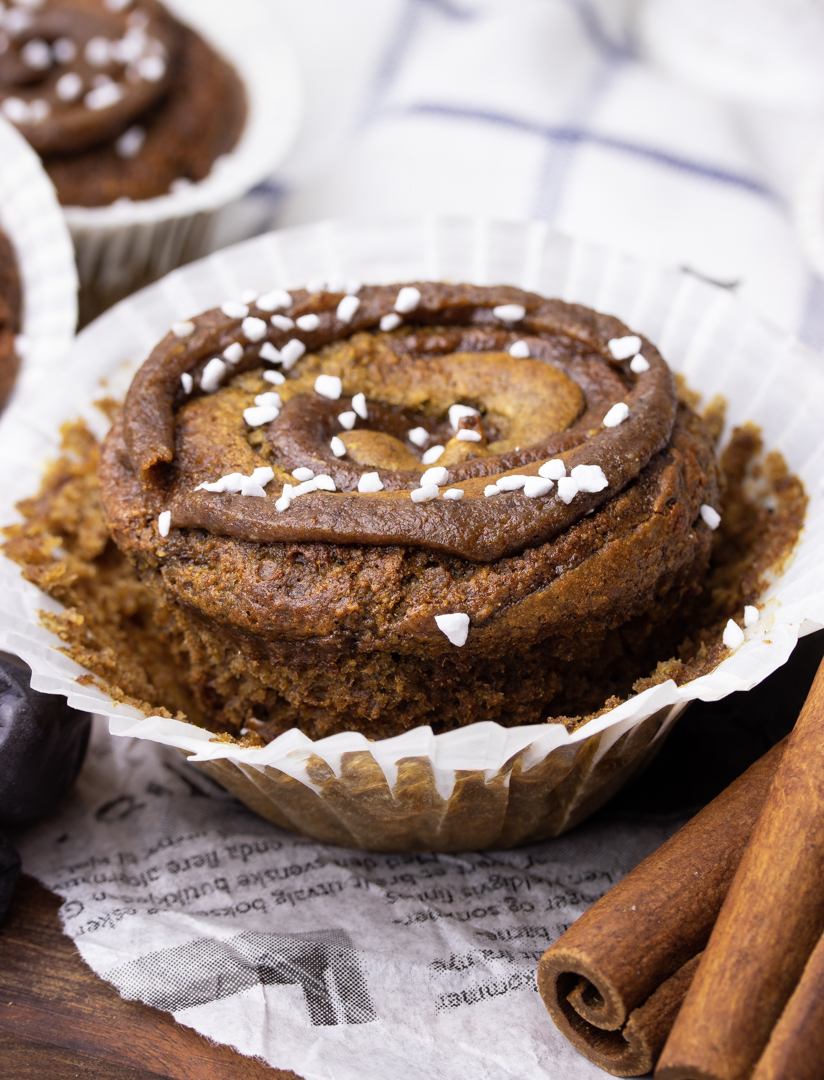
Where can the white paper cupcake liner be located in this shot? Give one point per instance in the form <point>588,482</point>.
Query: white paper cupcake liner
<point>33,221</point>
<point>130,243</point>
<point>483,785</point>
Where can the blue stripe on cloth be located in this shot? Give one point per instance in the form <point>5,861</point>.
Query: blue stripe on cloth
<point>598,36</point>
<point>581,136</point>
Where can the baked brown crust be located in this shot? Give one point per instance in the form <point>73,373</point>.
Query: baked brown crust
<point>318,618</point>
<point>173,107</point>
<point>11,304</point>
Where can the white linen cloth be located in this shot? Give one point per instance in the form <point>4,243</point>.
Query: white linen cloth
<point>547,109</point>
<point>337,964</point>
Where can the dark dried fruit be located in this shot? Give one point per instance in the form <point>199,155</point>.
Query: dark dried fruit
<point>42,746</point>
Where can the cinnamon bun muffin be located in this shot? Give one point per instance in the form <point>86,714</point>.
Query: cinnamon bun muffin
<point>11,302</point>
<point>119,99</point>
<point>408,505</point>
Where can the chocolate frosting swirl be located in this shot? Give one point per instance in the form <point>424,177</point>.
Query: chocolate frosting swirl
<point>452,348</point>
<point>77,73</point>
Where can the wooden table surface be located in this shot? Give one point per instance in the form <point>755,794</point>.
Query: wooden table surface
<point>59,1020</point>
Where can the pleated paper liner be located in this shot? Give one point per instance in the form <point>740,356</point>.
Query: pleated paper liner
<point>483,785</point>
<point>122,247</point>
<point>31,218</point>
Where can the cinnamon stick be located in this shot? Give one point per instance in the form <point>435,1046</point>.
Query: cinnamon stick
<point>768,926</point>
<point>796,1047</point>
<point>613,983</point>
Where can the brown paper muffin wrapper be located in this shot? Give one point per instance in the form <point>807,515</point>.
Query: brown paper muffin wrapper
<point>31,218</point>
<point>483,785</point>
<point>122,247</point>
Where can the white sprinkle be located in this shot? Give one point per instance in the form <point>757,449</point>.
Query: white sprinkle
<point>234,352</point>
<point>458,412</point>
<point>347,308</point>
<point>291,352</point>
<point>567,489</point>
<point>103,97</point>
<point>273,355</point>
<point>183,329</point>
<point>468,435</point>
<point>390,322</point>
<point>272,301</point>
<point>553,470</point>
<point>253,329</point>
<point>36,54</point>
<point>260,415</point>
<point>164,522</point>
<point>359,405</point>
<point>306,488</point>
<point>283,503</point>
<point>509,312</point>
<point>282,322</point>
<point>232,309</point>
<point>639,365</point>
<point>64,50</point>
<point>187,382</point>
<point>249,487</point>
<point>438,475</point>
<point>456,627</point>
<point>269,398</point>
<point>425,493</point>
<point>98,51</point>
<point>519,349</point>
<point>337,446</point>
<point>407,299</point>
<point>131,142</point>
<point>589,478</point>
<point>273,377</point>
<point>491,489</point>
<point>308,322</point>
<point>453,494</point>
<point>16,21</point>
<point>16,110</point>
<point>536,486</point>
<point>69,87</point>
<point>431,455</point>
<point>213,375</point>
<point>710,516</point>
<point>231,483</point>
<point>751,615</point>
<point>352,286</point>
<point>616,415</point>
<point>622,348</point>
<point>347,420</point>
<point>316,285</point>
<point>117,5</point>
<point>733,635</point>
<point>511,483</point>
<point>329,386</point>
<point>39,110</point>
<point>325,483</point>
<point>370,482</point>
<point>418,435</point>
<point>263,475</point>
<point>249,296</point>
<point>151,68</point>
<point>303,473</point>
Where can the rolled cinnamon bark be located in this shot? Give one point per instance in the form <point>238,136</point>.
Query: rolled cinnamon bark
<point>796,1047</point>
<point>613,983</point>
<point>770,922</point>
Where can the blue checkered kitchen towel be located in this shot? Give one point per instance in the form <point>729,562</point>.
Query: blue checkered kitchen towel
<point>546,109</point>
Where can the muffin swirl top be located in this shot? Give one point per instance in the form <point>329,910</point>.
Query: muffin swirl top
<point>467,420</point>
<point>76,73</point>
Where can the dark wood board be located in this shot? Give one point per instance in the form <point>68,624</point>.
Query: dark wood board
<point>59,1020</point>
